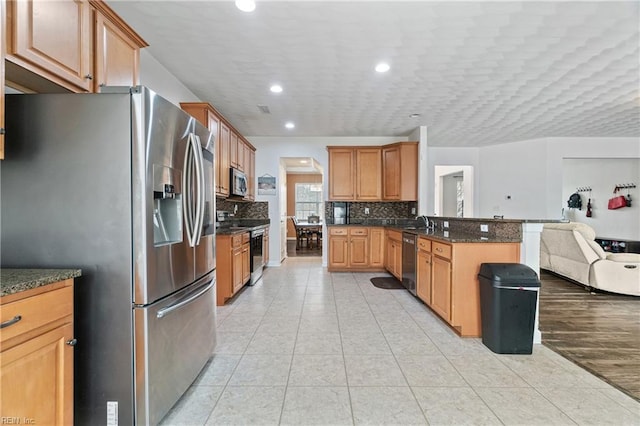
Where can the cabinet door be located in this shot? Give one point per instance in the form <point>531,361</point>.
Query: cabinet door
<point>359,251</point>
<point>223,159</point>
<point>233,150</point>
<point>338,252</point>
<point>398,258</point>
<point>441,287</point>
<point>37,377</point>
<point>423,278</point>
<point>117,56</point>
<point>238,273</point>
<point>246,263</point>
<point>53,38</point>
<point>265,251</point>
<point>388,256</point>
<point>391,173</point>
<point>369,174</point>
<point>341,174</point>
<point>376,247</point>
<point>251,175</point>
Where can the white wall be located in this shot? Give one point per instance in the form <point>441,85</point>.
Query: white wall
<point>157,78</point>
<point>602,175</point>
<point>438,156</point>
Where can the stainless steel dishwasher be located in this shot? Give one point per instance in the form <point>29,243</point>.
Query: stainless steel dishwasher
<point>409,252</point>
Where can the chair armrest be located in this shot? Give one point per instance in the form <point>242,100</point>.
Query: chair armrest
<point>624,257</point>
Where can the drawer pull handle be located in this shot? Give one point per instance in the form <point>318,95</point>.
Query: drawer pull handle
<point>11,321</point>
<point>72,342</point>
<point>439,249</point>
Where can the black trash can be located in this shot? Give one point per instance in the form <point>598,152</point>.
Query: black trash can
<point>508,295</point>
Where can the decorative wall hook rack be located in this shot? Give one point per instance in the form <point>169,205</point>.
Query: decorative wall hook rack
<point>583,189</point>
<point>625,186</point>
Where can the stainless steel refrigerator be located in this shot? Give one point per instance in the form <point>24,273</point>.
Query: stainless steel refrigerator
<point>119,184</point>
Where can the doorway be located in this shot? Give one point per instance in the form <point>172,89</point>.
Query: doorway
<point>453,188</point>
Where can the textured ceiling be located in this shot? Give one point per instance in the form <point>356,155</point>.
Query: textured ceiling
<point>478,73</point>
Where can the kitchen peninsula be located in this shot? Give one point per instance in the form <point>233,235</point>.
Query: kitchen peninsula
<point>447,257</point>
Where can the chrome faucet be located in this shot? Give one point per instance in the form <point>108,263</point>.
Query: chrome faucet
<point>428,223</point>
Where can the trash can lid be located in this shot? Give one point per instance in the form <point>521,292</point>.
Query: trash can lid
<point>510,273</point>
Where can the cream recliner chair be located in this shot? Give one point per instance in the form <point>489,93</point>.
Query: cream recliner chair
<point>570,250</point>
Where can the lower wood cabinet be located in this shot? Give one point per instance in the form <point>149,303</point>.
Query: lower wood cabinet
<point>36,360</point>
<point>356,248</point>
<point>233,265</point>
<point>393,256</point>
<point>447,278</point>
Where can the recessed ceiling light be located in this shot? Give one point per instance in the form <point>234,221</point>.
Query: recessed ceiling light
<point>414,115</point>
<point>383,67</point>
<point>303,161</point>
<point>276,88</point>
<point>246,5</point>
<point>289,125</point>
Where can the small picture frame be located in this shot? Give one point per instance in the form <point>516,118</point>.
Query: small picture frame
<point>266,185</point>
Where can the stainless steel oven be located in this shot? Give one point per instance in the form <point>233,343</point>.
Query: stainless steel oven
<point>257,255</point>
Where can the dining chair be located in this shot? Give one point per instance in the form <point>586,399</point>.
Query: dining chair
<point>301,233</point>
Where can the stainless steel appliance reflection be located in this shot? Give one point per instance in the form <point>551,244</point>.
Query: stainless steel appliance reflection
<point>340,213</point>
<point>257,255</point>
<point>409,254</point>
<point>124,190</point>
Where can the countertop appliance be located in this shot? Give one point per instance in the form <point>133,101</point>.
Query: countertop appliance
<point>123,190</point>
<point>238,183</point>
<point>409,254</point>
<point>340,213</point>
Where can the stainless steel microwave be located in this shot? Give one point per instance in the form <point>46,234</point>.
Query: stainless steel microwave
<point>238,183</point>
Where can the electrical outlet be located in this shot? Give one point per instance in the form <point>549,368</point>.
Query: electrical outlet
<point>366,210</point>
<point>446,224</point>
<point>484,228</point>
<point>413,210</point>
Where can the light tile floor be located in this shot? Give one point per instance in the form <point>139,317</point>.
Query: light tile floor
<point>309,347</point>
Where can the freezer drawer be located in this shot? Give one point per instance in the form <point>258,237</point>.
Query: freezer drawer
<point>174,338</point>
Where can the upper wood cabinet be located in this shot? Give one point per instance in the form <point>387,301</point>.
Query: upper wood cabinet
<point>374,173</point>
<point>341,174</point>
<point>65,43</point>
<point>54,39</point>
<point>233,151</point>
<point>117,50</point>
<point>368,174</point>
<point>400,171</point>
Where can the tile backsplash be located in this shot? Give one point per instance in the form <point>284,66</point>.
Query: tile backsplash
<point>377,210</point>
<point>245,210</point>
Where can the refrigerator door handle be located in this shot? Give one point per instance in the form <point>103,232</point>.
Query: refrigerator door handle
<point>187,201</point>
<point>188,299</point>
<point>199,163</point>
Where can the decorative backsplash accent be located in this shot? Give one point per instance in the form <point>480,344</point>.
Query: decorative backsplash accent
<point>245,210</point>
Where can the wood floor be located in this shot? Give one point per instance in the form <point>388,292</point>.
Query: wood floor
<point>598,331</point>
<point>302,251</point>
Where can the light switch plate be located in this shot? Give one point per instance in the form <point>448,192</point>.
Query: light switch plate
<point>366,210</point>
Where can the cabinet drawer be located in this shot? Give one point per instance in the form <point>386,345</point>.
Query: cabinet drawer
<point>358,231</point>
<point>245,238</point>
<point>424,244</point>
<point>236,240</point>
<point>442,250</point>
<point>337,231</point>
<point>36,312</point>
<point>394,235</point>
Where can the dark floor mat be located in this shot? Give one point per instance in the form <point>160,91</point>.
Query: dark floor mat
<point>387,283</point>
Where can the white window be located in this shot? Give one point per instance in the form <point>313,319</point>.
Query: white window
<point>308,200</point>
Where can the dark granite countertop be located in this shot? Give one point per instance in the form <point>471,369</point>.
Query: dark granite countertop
<point>459,236</point>
<point>17,280</point>
<point>446,235</point>
<point>239,228</point>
